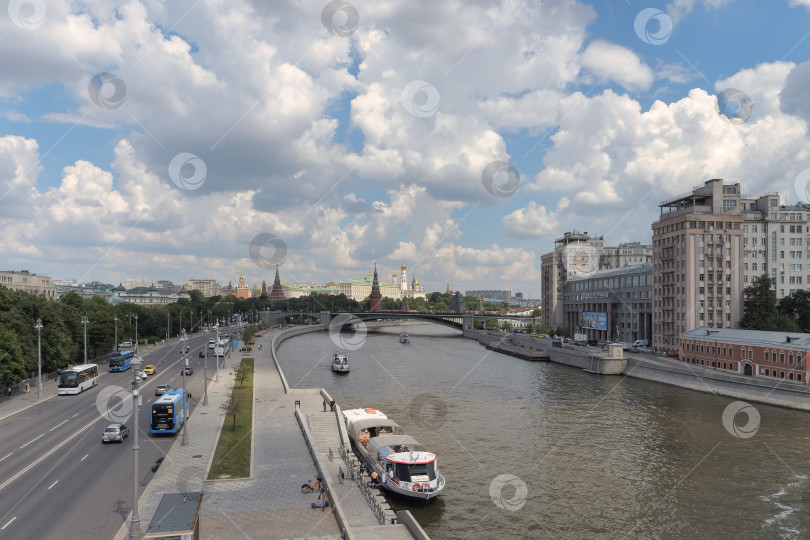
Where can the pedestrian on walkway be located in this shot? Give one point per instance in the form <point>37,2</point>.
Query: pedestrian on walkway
<point>27,387</point>
<point>9,391</point>
<point>324,405</point>
<point>260,346</point>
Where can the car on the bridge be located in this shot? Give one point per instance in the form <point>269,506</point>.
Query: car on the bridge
<point>115,432</point>
<point>189,370</point>
<point>149,370</point>
<point>672,354</point>
<point>202,353</point>
<point>161,389</point>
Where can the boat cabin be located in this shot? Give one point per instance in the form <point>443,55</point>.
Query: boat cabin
<point>362,431</point>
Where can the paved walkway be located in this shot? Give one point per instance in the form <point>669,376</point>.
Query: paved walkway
<point>9,406</point>
<point>270,504</point>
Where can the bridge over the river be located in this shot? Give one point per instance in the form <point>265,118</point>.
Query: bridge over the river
<point>459,321</point>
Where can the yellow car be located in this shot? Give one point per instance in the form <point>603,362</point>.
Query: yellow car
<point>150,370</point>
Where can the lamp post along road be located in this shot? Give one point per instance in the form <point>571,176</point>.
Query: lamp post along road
<point>205,376</point>
<point>136,333</point>
<point>84,322</point>
<point>39,358</point>
<point>135,522</point>
<point>185,403</point>
<point>115,318</point>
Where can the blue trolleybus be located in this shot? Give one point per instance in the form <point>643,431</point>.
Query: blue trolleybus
<point>121,361</point>
<point>167,412</point>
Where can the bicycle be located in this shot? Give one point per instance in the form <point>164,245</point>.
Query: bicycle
<point>309,487</point>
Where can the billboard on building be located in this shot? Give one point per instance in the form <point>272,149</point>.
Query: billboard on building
<point>596,320</point>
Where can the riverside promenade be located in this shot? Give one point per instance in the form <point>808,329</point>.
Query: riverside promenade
<point>270,503</point>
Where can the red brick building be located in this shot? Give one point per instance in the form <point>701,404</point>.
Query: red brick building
<point>777,355</point>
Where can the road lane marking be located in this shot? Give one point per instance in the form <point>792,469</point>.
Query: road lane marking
<point>7,524</point>
<point>4,457</point>
<point>51,451</point>
<point>56,426</point>
<point>75,415</point>
<point>85,457</point>
<point>49,487</point>
<point>32,440</point>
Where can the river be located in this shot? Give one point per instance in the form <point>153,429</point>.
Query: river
<point>541,450</point>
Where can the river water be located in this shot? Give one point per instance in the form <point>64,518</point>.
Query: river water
<point>540,450</point>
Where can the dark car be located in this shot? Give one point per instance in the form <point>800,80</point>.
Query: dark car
<point>672,354</point>
<point>189,371</point>
<point>632,349</point>
<point>202,353</point>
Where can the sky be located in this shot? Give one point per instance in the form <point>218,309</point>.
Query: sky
<point>176,140</point>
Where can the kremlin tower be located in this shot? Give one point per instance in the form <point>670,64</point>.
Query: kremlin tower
<point>375,298</point>
<point>242,290</point>
<point>277,294</point>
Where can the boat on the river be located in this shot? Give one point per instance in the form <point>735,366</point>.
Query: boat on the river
<point>340,364</point>
<point>403,338</point>
<point>402,464</point>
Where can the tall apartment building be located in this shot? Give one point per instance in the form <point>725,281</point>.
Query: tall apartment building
<point>709,244</point>
<point>625,254</point>
<point>208,287</point>
<point>576,254</point>
<point>28,282</point>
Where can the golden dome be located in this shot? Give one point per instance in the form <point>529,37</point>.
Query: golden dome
<point>403,266</point>
<point>394,274</point>
<point>415,282</point>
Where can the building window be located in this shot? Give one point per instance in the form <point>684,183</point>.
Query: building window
<point>767,356</point>
<point>781,357</point>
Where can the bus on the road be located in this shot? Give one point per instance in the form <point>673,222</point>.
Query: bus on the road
<point>167,412</point>
<point>121,361</point>
<point>222,347</point>
<point>77,378</point>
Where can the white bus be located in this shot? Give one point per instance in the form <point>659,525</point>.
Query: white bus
<point>222,347</point>
<point>77,378</point>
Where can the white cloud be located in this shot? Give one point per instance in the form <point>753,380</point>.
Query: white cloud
<point>608,61</point>
<point>535,221</point>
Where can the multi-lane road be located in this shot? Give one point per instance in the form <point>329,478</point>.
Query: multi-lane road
<point>57,480</point>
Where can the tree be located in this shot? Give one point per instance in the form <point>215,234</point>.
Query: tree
<point>232,404</point>
<point>797,306</point>
<point>12,366</point>
<point>760,311</point>
<point>243,372</point>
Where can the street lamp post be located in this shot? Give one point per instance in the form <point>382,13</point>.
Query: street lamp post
<point>192,322</point>
<point>135,522</point>
<point>115,318</point>
<point>136,333</point>
<point>185,404</point>
<point>216,360</point>
<point>168,326</point>
<point>39,358</point>
<point>84,322</point>
<point>205,376</point>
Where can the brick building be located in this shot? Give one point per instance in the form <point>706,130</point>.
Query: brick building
<point>777,355</point>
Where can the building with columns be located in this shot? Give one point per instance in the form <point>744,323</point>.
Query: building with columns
<point>28,282</point>
<point>208,287</point>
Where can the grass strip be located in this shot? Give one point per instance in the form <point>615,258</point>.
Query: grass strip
<point>232,456</point>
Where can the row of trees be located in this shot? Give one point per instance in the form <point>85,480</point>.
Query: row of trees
<point>761,310</point>
<point>434,303</point>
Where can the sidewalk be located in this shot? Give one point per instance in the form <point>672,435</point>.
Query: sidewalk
<point>270,504</point>
<point>20,401</point>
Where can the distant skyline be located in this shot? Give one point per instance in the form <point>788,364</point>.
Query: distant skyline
<point>185,139</point>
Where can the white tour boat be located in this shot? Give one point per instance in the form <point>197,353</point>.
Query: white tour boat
<point>403,338</point>
<point>402,464</point>
<point>340,364</point>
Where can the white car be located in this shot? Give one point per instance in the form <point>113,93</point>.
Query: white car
<point>143,375</point>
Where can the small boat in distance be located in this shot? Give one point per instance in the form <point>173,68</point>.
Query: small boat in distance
<point>402,464</point>
<point>403,338</point>
<point>340,364</point>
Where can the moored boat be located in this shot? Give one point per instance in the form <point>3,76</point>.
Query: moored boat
<point>340,364</point>
<point>403,338</point>
<point>402,464</point>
